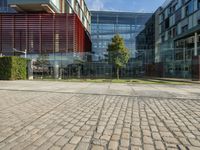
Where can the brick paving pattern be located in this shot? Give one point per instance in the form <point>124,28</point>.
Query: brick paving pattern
<point>49,120</point>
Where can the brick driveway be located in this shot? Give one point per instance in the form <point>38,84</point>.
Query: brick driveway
<point>57,115</point>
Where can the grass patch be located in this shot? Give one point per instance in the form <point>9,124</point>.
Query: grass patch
<point>129,81</point>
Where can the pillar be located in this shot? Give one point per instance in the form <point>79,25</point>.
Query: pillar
<point>195,44</point>
<point>30,70</point>
<point>56,70</point>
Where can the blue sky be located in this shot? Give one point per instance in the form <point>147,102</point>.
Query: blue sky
<point>125,5</point>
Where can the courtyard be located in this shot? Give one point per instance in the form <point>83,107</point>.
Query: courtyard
<point>84,115</point>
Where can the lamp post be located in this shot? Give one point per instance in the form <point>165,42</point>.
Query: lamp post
<point>24,52</point>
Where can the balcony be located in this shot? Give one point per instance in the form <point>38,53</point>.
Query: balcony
<point>50,6</point>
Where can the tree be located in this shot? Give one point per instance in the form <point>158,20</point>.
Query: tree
<point>118,54</point>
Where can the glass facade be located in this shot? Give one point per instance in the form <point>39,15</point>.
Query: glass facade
<point>106,24</point>
<point>4,7</point>
<point>176,27</point>
<point>177,37</point>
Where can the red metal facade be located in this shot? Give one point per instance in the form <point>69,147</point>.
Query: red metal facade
<point>43,33</point>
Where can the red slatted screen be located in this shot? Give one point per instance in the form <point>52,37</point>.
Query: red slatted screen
<point>43,33</point>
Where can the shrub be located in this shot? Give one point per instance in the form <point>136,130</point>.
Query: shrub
<point>13,68</point>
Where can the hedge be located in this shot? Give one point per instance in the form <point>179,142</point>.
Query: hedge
<point>13,68</point>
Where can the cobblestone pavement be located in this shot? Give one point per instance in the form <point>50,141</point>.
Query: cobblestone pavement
<point>51,119</point>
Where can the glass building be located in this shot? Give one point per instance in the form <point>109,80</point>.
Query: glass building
<point>4,7</point>
<point>147,45</point>
<point>105,24</point>
<point>177,40</point>
<point>179,27</point>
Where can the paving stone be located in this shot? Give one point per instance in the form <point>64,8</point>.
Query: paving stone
<point>156,136</point>
<point>136,141</point>
<point>125,135</point>
<point>170,140</point>
<point>159,145</point>
<point>55,148</point>
<point>193,148</point>
<point>62,141</point>
<point>136,148</point>
<point>195,142</point>
<point>148,147</point>
<point>146,132</point>
<point>105,137</point>
<point>124,143</point>
<point>147,140</point>
<point>97,147</point>
<point>113,145</point>
<point>75,140</point>
<point>46,145</point>
<point>31,119</point>
<point>136,134</point>
<point>69,147</point>
<point>83,146</point>
<point>115,137</point>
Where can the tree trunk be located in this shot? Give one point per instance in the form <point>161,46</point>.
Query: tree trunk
<point>117,73</point>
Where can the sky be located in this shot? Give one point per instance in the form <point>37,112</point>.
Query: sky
<point>125,5</point>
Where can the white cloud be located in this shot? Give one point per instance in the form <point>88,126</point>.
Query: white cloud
<point>96,4</point>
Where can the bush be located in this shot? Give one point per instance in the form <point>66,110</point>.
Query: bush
<point>13,68</point>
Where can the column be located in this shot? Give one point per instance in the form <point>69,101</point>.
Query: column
<point>195,44</point>
<point>30,70</point>
<point>56,69</point>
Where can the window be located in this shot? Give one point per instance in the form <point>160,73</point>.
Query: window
<point>169,34</point>
<point>174,32</point>
<point>198,21</point>
<point>162,27</point>
<point>178,16</point>
<point>162,17</point>
<point>185,28</point>
<point>186,11</point>
<point>163,38</point>
<point>173,9</point>
<point>189,8</point>
<point>198,4</point>
<point>178,56</point>
<point>167,23</point>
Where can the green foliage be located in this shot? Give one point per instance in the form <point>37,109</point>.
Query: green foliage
<point>42,60</point>
<point>118,54</point>
<point>13,68</point>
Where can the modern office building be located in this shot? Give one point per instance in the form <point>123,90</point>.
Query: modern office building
<point>52,33</point>
<point>78,7</point>
<point>4,8</point>
<point>42,33</point>
<point>105,24</point>
<point>145,40</point>
<point>180,38</point>
<point>45,26</point>
<point>147,43</point>
<point>177,39</point>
